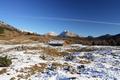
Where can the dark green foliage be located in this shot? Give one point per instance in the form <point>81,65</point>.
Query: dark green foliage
<point>1,30</point>
<point>5,61</point>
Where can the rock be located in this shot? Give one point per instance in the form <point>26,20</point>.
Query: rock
<point>70,69</point>
<point>80,69</point>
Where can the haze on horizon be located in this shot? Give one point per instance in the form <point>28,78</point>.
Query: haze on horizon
<point>84,17</point>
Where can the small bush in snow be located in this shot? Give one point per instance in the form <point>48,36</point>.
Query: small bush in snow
<point>5,61</point>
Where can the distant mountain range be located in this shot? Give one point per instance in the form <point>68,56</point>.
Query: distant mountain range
<point>108,36</point>
<point>51,34</point>
<point>8,32</point>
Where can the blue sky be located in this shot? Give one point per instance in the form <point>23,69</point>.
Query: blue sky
<point>85,17</point>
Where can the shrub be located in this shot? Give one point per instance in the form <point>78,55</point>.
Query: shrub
<point>5,61</point>
<point>1,30</point>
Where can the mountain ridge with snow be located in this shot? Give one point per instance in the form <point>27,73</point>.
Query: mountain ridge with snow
<point>67,33</point>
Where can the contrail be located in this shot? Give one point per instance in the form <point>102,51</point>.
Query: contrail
<point>71,19</point>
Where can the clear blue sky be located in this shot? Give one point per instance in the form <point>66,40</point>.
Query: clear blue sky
<point>85,17</point>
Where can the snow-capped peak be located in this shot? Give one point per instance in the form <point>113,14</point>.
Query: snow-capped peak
<point>51,34</point>
<point>67,33</point>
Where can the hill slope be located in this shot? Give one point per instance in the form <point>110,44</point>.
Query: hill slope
<point>12,35</point>
<point>8,32</point>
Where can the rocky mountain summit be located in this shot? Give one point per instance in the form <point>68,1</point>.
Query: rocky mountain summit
<point>67,34</point>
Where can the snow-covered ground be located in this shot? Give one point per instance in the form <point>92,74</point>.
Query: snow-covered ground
<point>29,62</point>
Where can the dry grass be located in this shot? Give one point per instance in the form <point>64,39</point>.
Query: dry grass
<point>52,52</point>
<point>56,65</point>
<point>84,62</point>
<point>3,71</point>
<point>86,49</point>
<point>32,70</point>
<point>34,38</point>
<point>37,68</point>
<point>44,39</point>
<point>28,71</point>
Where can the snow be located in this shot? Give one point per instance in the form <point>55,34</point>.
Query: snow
<point>56,42</point>
<point>104,65</point>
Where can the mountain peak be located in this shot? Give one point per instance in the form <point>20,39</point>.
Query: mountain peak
<point>67,33</point>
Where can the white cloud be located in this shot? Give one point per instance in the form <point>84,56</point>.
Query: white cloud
<point>70,19</point>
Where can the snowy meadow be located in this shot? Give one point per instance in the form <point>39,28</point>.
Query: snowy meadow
<point>40,61</point>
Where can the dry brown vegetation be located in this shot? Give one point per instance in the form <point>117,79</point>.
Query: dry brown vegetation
<point>32,70</point>
<point>52,52</point>
<point>28,71</point>
<point>56,65</point>
<point>84,62</point>
<point>4,70</point>
<point>59,64</point>
<point>8,33</point>
<point>86,49</point>
<point>44,39</point>
<point>37,68</point>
